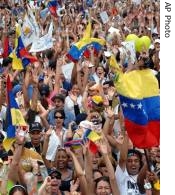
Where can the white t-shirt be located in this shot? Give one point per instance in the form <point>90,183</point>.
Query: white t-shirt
<point>127,184</point>
<point>69,104</point>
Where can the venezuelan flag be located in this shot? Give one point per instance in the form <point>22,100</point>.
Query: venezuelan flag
<point>52,6</point>
<point>93,137</point>
<point>14,115</point>
<point>81,47</point>
<point>140,101</point>
<point>20,56</point>
<point>74,143</point>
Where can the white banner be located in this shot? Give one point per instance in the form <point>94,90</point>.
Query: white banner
<point>43,43</point>
<point>67,70</point>
<point>29,33</point>
<point>130,46</point>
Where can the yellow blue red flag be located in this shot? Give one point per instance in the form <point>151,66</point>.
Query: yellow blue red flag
<point>20,56</point>
<point>139,97</point>
<point>14,115</point>
<point>80,48</point>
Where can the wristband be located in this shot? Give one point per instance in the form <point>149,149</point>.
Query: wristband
<point>147,186</point>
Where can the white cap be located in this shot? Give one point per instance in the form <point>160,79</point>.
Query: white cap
<point>157,41</point>
<point>86,124</point>
<point>107,53</point>
<point>91,65</point>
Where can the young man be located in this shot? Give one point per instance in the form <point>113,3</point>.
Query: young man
<point>130,163</point>
<point>35,132</point>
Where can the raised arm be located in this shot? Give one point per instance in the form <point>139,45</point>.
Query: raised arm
<point>14,166</point>
<point>123,151</point>
<point>104,151</point>
<point>79,172</point>
<point>88,167</point>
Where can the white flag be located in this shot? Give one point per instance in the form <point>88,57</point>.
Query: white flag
<point>43,43</point>
<point>28,31</point>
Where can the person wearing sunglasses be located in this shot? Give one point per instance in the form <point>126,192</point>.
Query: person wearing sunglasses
<point>52,183</point>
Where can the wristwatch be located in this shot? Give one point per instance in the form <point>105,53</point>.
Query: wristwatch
<point>147,186</point>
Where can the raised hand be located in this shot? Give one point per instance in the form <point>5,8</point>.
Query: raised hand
<point>73,97</point>
<point>110,112</point>
<point>119,139</point>
<point>74,185</point>
<point>102,146</point>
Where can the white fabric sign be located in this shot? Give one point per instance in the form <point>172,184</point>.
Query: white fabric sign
<point>54,142</point>
<point>43,43</point>
<point>67,70</point>
<point>104,17</point>
<point>130,46</point>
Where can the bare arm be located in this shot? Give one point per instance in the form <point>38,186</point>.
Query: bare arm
<point>104,151</point>
<point>79,172</point>
<point>45,147</point>
<point>88,168</point>
<point>14,166</point>
<point>123,152</point>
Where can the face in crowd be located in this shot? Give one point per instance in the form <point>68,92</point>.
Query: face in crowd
<point>62,159</point>
<point>103,186</point>
<point>59,118</point>
<point>133,164</point>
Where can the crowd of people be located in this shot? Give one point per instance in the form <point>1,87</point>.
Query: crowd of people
<point>75,141</point>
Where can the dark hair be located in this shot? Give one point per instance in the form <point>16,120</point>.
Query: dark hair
<point>103,178</point>
<point>49,54</point>
<point>6,61</point>
<point>17,188</point>
<point>109,82</point>
<point>97,170</point>
<point>61,111</point>
<point>138,153</point>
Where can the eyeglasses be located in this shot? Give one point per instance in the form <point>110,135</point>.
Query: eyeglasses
<point>60,117</point>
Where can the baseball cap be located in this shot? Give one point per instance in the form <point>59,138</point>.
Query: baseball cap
<point>56,173</point>
<point>86,124</point>
<point>157,41</point>
<point>91,65</point>
<point>58,96</point>
<point>35,127</point>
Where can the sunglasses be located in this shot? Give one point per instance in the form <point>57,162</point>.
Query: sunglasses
<point>55,176</point>
<point>60,117</point>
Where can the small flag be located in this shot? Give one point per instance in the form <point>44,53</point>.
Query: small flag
<point>14,115</point>
<point>53,5</point>
<point>20,56</point>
